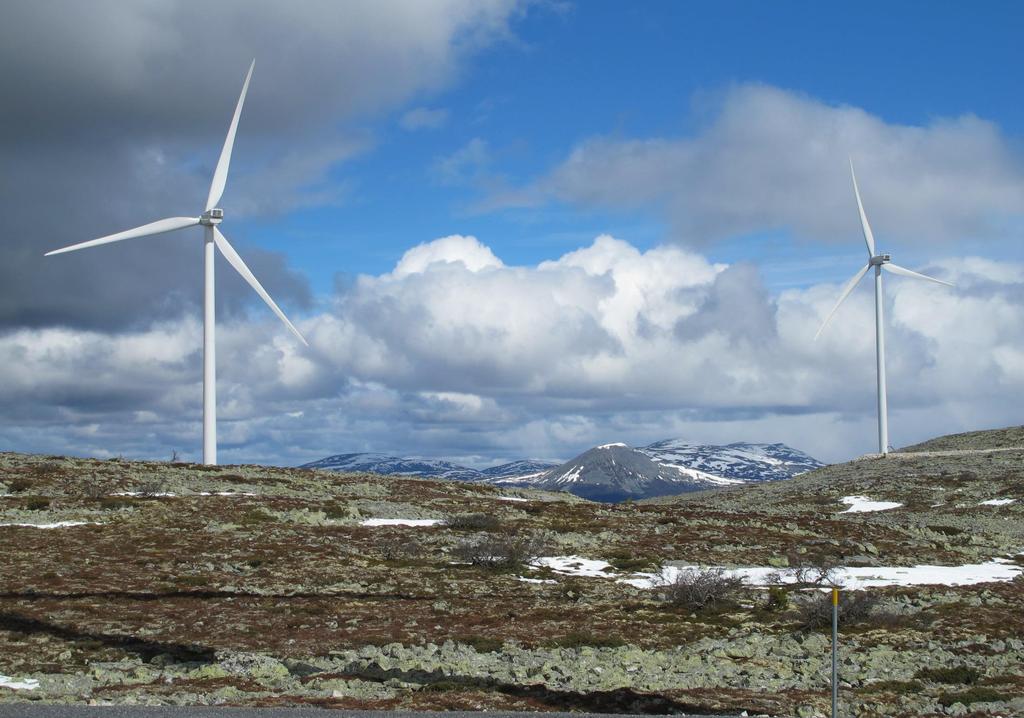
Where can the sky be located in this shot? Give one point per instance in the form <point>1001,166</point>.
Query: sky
<point>509,229</point>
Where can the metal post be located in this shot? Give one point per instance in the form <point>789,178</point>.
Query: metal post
<point>835,652</point>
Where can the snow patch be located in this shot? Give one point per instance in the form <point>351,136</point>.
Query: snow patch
<point>400,522</point>
<point>862,504</point>
<point>997,502</point>
<point>524,579</point>
<point>610,446</point>
<point>57,525</point>
<point>155,494</point>
<point>511,498</point>
<point>29,684</point>
<point>574,566</point>
<point>857,578</point>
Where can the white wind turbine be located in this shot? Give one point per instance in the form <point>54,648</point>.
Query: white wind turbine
<point>211,217</point>
<point>879,262</point>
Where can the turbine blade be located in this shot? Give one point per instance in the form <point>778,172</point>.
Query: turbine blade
<point>897,269</point>
<point>159,227</point>
<point>232,256</point>
<point>220,175</point>
<point>842,297</point>
<point>869,238</point>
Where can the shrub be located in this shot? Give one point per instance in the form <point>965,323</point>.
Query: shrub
<point>505,551</point>
<point>954,675</point>
<point>116,503</point>
<point>776,600</point>
<point>473,522</point>
<point>395,547</point>
<point>481,644</point>
<point>698,589</point>
<point>854,607</point>
<point>626,560</point>
<point>822,571</point>
<point>19,485</point>
<point>978,694</point>
<point>153,487</point>
<point>37,503</point>
<point>579,639</point>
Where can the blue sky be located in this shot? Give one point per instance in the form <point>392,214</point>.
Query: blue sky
<point>510,228</point>
<point>571,71</point>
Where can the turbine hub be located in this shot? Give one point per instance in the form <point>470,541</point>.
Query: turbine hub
<point>879,259</point>
<point>212,217</point>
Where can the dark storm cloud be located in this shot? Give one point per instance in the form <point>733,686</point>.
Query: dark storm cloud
<point>114,114</point>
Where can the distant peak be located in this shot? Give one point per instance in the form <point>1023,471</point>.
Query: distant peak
<point>610,446</point>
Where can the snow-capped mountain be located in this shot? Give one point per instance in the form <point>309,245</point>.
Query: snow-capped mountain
<point>521,470</point>
<point>615,472</point>
<point>736,463</point>
<point>384,464</point>
<point>611,472</point>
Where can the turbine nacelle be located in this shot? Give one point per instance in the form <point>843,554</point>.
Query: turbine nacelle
<point>211,217</point>
<point>879,259</point>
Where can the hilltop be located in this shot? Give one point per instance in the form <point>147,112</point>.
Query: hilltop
<point>249,585</point>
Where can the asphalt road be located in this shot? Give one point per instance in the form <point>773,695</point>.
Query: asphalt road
<point>31,710</point>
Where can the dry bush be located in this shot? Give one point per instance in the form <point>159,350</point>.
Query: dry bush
<point>473,522</point>
<point>817,571</point>
<point>505,551</point>
<point>854,607</point>
<point>19,485</point>
<point>398,547</point>
<point>697,589</point>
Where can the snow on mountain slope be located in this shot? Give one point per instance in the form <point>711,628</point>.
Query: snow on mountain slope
<point>516,471</point>
<point>733,463</point>
<point>384,464</point>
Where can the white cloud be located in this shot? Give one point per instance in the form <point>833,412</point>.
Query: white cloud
<point>466,251</point>
<point>773,159</point>
<point>455,353</point>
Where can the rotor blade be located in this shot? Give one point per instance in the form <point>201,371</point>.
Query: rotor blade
<point>869,238</point>
<point>220,175</point>
<point>846,292</point>
<point>232,256</point>
<point>897,269</point>
<point>159,227</point>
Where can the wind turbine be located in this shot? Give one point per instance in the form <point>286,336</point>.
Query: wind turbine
<point>879,262</point>
<point>210,218</point>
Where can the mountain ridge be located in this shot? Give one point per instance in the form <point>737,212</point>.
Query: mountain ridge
<point>609,472</point>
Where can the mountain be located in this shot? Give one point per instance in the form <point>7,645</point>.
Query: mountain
<point>371,463</point>
<point>611,472</point>
<point>516,471</point>
<point>616,472</point>
<point>388,465</point>
<point>737,463</point>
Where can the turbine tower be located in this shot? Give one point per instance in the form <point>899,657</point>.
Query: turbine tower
<point>210,218</point>
<point>879,262</point>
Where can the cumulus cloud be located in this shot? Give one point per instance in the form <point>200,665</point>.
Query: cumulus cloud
<point>772,159</point>
<point>456,354</point>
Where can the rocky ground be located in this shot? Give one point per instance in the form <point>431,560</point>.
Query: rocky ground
<point>249,585</point>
